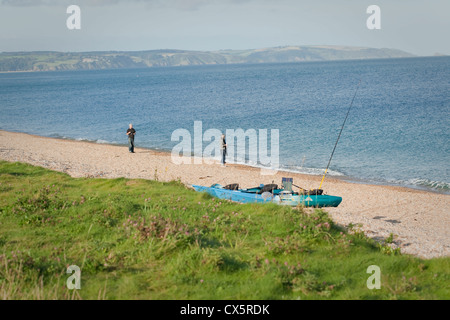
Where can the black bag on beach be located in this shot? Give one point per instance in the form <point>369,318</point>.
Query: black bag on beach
<point>233,186</point>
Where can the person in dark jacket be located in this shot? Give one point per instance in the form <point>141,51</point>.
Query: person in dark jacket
<point>131,133</point>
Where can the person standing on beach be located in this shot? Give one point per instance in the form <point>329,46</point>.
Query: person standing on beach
<point>131,133</point>
<point>223,149</point>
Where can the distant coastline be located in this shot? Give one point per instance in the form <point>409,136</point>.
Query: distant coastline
<point>60,61</point>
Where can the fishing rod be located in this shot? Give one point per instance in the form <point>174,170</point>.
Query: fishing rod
<point>342,128</point>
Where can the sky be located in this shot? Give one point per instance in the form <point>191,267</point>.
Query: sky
<point>416,26</point>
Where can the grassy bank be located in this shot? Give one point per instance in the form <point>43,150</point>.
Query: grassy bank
<point>139,239</point>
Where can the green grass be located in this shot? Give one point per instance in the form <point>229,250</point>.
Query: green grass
<point>139,239</point>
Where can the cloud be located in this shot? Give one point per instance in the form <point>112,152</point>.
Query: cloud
<point>35,3</point>
<point>180,4</point>
<point>31,3</point>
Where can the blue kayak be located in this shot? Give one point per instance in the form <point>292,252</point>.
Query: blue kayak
<point>278,196</point>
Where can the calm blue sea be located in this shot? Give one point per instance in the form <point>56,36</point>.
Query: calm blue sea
<point>397,131</point>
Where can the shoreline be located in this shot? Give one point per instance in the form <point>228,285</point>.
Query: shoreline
<point>343,177</point>
<point>418,219</point>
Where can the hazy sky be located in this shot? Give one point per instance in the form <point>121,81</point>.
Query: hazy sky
<point>419,27</point>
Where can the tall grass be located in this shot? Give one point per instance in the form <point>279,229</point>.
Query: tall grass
<point>139,239</point>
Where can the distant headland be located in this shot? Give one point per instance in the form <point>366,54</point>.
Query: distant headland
<point>57,61</point>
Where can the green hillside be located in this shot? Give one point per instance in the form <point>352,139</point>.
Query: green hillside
<point>141,239</point>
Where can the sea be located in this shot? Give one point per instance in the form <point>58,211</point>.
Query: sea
<point>397,131</point>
